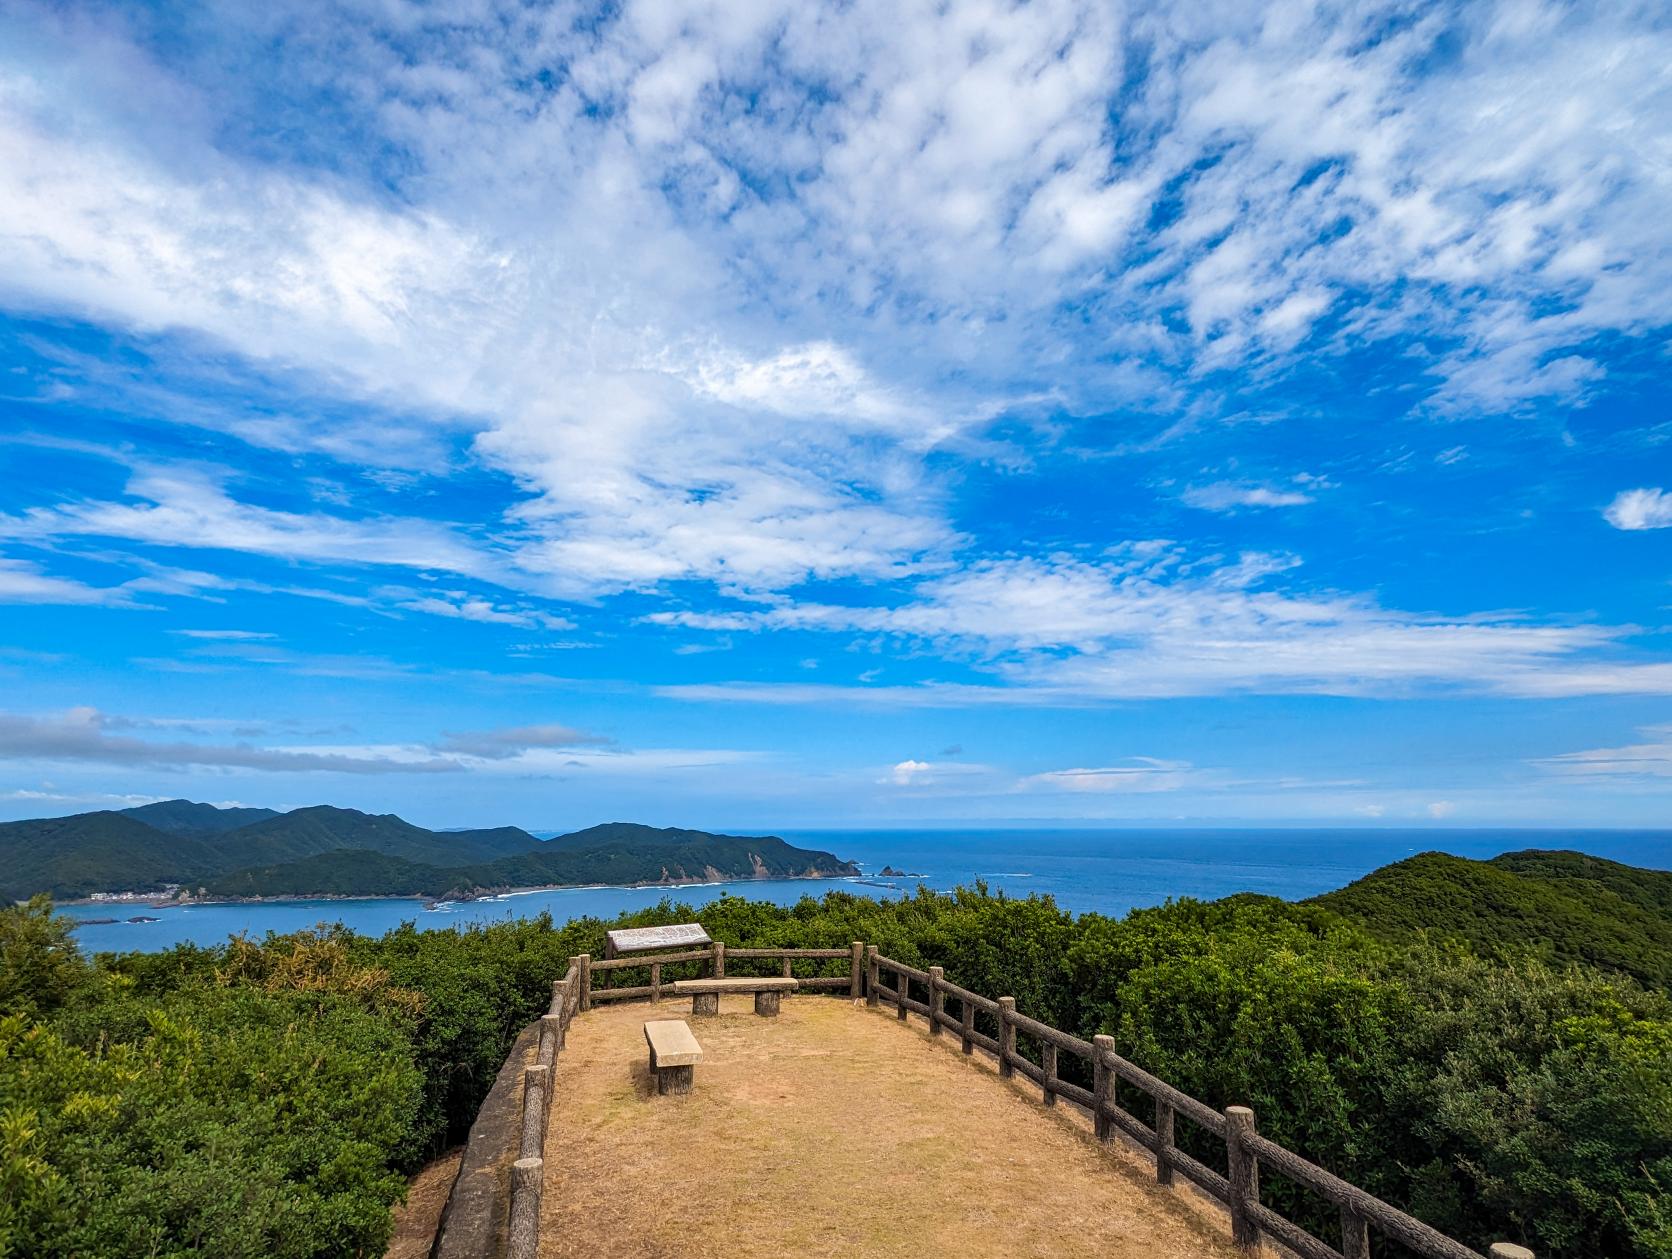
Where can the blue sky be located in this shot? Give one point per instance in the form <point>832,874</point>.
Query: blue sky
<point>773,415</point>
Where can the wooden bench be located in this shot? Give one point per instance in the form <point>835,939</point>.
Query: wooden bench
<point>705,993</point>
<point>673,1054</point>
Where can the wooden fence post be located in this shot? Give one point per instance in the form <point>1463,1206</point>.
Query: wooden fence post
<point>719,959</point>
<point>1102,1086</point>
<point>873,975</point>
<point>1007,1037</point>
<point>534,1111</point>
<point>586,981</point>
<point>1164,1145</point>
<point>969,1024</point>
<point>524,1239</point>
<point>901,984</point>
<point>937,999</point>
<point>656,981</point>
<point>787,968</point>
<point>1355,1235</point>
<point>1048,1051</point>
<point>556,1024</point>
<point>856,971</point>
<point>551,1037</point>
<point>559,992</point>
<point>1245,1176</point>
<point>1509,1250</point>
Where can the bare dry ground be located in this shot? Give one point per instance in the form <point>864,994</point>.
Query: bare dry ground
<point>833,1130</point>
<point>416,1219</point>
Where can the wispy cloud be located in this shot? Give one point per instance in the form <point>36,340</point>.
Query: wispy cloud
<point>25,582</point>
<point>459,605</point>
<point>514,740</point>
<point>84,735</point>
<point>1140,774</point>
<point>1229,496</point>
<point>178,507</point>
<point>87,736</point>
<point>1148,625</point>
<point>1648,760</point>
<point>225,635</point>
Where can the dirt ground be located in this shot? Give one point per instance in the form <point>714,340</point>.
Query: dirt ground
<point>417,1218</point>
<point>833,1130</point>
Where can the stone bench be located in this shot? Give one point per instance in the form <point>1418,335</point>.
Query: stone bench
<point>705,993</point>
<point>673,1054</point>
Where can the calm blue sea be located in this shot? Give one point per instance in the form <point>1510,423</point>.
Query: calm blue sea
<point>1107,871</point>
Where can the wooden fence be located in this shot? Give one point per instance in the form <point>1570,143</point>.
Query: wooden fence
<point>1245,1149</point>
<point>713,958</point>
<point>528,1172</point>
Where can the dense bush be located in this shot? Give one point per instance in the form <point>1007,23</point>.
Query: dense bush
<point>266,1098</point>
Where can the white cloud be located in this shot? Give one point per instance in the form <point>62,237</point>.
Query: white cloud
<point>84,735</point>
<point>907,772</point>
<point>23,582</point>
<point>1228,496</point>
<point>179,507</point>
<point>513,741</point>
<point>1150,624</point>
<point>461,606</point>
<point>939,776</point>
<point>1640,509</point>
<point>1139,774</point>
<point>711,334</point>
<point>1649,760</point>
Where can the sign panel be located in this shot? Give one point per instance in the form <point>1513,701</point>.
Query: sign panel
<point>644,939</point>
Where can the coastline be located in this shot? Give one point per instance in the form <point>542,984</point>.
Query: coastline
<point>150,901</point>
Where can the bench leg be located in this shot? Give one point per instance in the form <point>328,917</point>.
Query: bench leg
<point>705,1003</point>
<point>766,1003</point>
<point>674,1079</point>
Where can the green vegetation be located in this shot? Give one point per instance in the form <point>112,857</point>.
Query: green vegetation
<point>186,817</point>
<point>325,851</point>
<point>1562,906</point>
<point>265,1098</point>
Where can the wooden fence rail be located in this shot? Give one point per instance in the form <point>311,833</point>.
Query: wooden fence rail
<point>1246,1151</point>
<point>539,1086</point>
<point>716,957</point>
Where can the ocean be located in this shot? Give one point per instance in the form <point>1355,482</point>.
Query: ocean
<point>1102,871</point>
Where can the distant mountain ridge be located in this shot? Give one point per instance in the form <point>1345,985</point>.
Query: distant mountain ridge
<point>185,817</point>
<point>322,850</point>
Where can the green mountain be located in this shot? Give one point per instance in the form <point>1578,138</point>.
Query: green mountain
<point>1564,906</point>
<point>616,852</point>
<point>97,852</point>
<point>186,817</point>
<point>321,829</point>
<point>625,852</point>
<point>329,851</point>
<point>344,872</point>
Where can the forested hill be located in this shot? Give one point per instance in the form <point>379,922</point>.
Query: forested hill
<point>617,852</point>
<point>323,850</point>
<point>1565,906</point>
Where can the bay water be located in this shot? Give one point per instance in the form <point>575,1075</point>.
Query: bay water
<point>1102,871</point>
